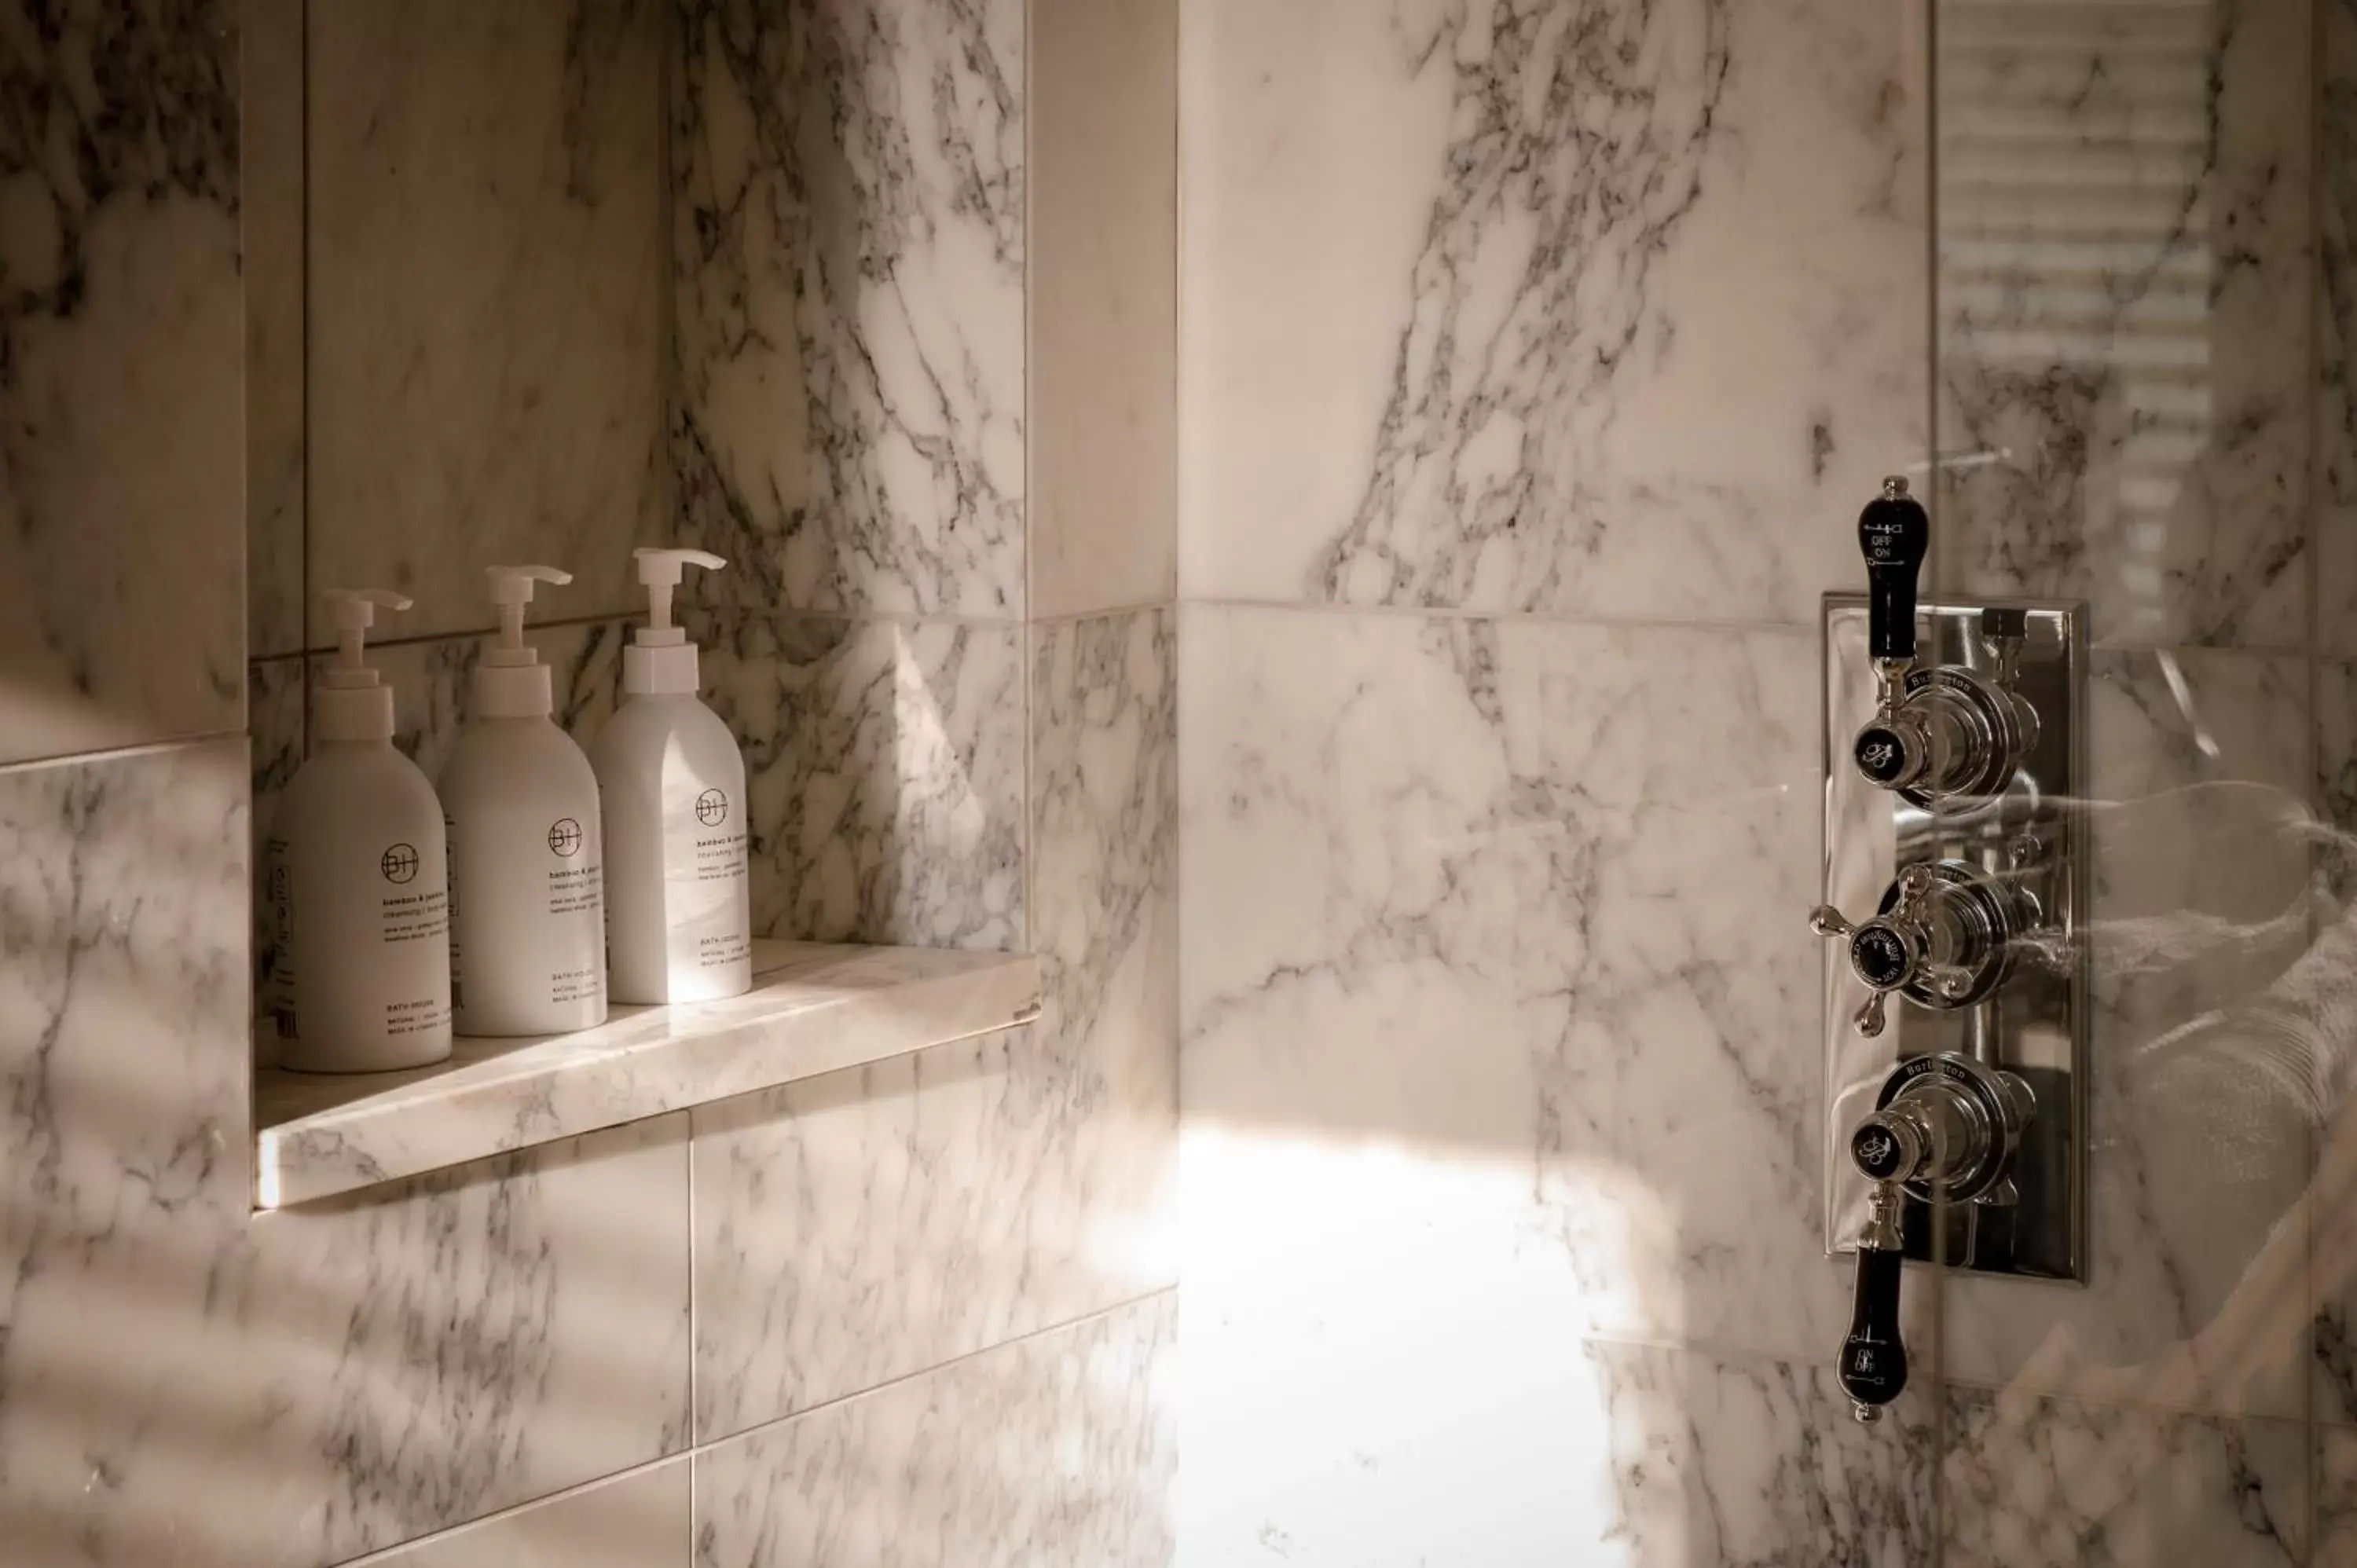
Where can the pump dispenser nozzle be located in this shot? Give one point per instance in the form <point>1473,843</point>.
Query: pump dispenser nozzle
<point>660,658</point>
<point>352,704</point>
<point>510,682</point>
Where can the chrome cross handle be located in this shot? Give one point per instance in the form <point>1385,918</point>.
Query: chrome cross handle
<point>1944,938</point>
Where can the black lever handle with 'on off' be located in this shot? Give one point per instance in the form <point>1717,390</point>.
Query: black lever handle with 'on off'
<point>1874,1357</point>
<point>1895,533</point>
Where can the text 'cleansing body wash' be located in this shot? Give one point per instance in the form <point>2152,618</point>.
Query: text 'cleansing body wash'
<point>527,882</point>
<point>678,907</point>
<point>358,880</point>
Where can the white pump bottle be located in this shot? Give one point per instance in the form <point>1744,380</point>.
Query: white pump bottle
<point>358,879</point>
<point>678,909</point>
<point>527,882</point>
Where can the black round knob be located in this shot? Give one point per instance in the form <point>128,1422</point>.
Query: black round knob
<point>1881,956</point>
<point>1885,755</point>
<point>1873,1359</point>
<point>1880,1152</point>
<point>1895,533</point>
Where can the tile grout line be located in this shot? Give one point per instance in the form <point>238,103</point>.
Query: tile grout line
<point>697,1451</point>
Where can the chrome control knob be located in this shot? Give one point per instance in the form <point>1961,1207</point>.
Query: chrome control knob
<point>1888,951</point>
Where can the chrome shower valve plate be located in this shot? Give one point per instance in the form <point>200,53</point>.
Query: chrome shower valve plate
<point>2018,829</point>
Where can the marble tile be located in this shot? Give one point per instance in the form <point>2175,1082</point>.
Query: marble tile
<point>2334,503</point>
<point>1105,902</point>
<point>275,725</point>
<point>2336,1499</point>
<point>2124,244</point>
<point>944,1202</point>
<point>2212,1013</point>
<point>848,251</point>
<point>812,1010</point>
<point>1470,935</point>
<point>2326,1020</point>
<point>2035,1483</point>
<point>1458,328</point>
<point>181,1382</point>
<point>885,766</point>
<point>486,299</point>
<point>1610,1456</point>
<point>121,460</point>
<point>271,216</point>
<point>1056,1452</point>
<point>643,1520</point>
<point>1104,256</point>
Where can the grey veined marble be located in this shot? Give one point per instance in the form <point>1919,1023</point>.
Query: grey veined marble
<point>849,268</point>
<point>122,468</point>
<point>1520,305</point>
<point>181,1382</point>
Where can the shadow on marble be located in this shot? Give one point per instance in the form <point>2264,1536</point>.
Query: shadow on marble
<point>121,508</point>
<point>291,1392</point>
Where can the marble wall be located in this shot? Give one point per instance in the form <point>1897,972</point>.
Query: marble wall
<point>1538,357</point>
<point>919,1312</point>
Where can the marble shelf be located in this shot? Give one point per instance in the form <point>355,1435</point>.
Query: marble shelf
<point>812,1009</point>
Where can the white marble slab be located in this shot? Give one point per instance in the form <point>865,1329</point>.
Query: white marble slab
<point>1531,307</point>
<point>848,319</point>
<point>1054,1449</point>
<point>1501,925</point>
<point>812,1010</point>
<point>121,456</point>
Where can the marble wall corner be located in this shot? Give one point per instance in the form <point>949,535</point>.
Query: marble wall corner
<point>2124,254</point>
<point>271,211</point>
<point>2335,497</point>
<point>1103,342</point>
<point>2332,1058</point>
<point>2029,1482</point>
<point>2212,1005</point>
<point>486,299</point>
<point>641,1519</point>
<point>2336,1499</point>
<point>1457,327</point>
<point>1057,1449</point>
<point>849,189</point>
<point>122,597</point>
<point>884,765</point>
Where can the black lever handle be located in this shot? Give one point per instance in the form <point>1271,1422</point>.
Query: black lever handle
<point>1895,533</point>
<point>1873,1359</point>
